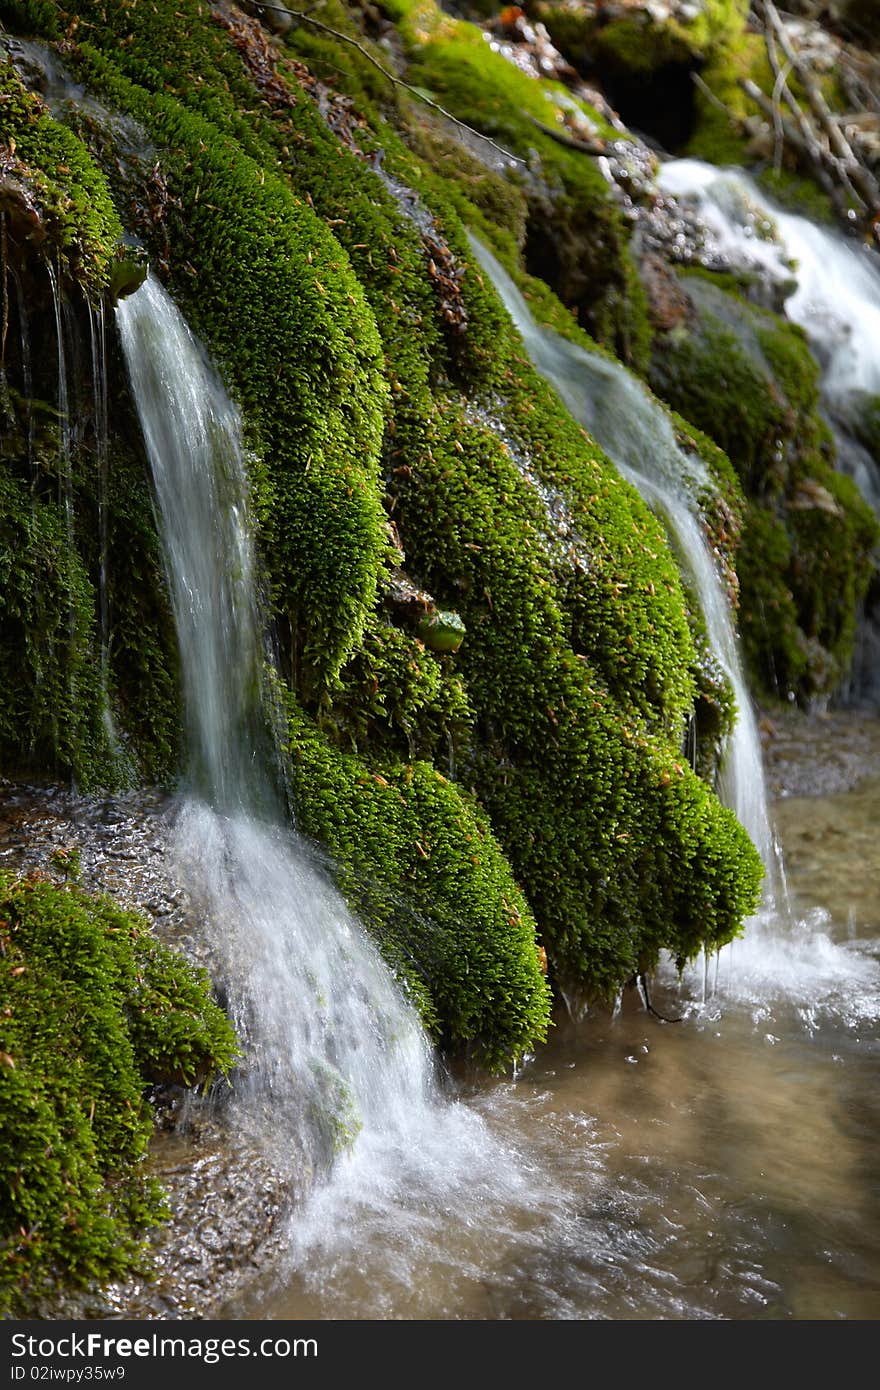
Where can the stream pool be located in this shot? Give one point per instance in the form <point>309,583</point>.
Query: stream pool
<point>721,1166</point>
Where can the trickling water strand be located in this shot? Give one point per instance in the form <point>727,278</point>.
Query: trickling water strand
<point>26,372</point>
<point>124,769</point>
<point>98,347</point>
<point>4,327</point>
<point>191,432</point>
<point>97,343</point>
<point>65,466</point>
<point>637,434</point>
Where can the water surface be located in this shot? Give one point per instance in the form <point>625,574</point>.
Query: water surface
<point>723,1166</point>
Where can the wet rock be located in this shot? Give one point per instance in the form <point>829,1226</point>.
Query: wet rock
<point>128,271</point>
<point>668,304</point>
<point>229,1198</point>
<point>442,631</point>
<point>407,601</point>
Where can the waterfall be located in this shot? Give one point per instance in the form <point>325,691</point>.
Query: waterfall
<point>332,1047</point>
<point>836,301</point>
<point>636,433</point>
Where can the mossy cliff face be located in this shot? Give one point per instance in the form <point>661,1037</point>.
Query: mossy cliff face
<point>526,788</point>
<point>748,378</point>
<point>511,813</point>
<point>92,1010</point>
<point>73,500</point>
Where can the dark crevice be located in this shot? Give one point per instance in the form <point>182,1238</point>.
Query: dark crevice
<point>659,105</point>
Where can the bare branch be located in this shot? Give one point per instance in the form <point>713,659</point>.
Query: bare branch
<point>802,139</point>
<point>570,142</point>
<point>819,156</point>
<point>852,171</point>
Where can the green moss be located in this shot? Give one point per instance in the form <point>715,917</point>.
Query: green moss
<point>69,195</point>
<point>865,414</point>
<point>32,17</point>
<point>92,1009</point>
<point>642,43</point>
<point>798,194</point>
<point>50,712</point>
<point>418,859</point>
<point>834,534</point>
<point>775,649</point>
<point>396,697</point>
<point>748,378</point>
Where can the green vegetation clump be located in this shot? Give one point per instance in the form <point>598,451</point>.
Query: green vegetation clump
<point>54,190</point>
<point>863,412</point>
<point>419,861</point>
<point>50,712</point>
<point>92,1011</point>
<point>747,377</point>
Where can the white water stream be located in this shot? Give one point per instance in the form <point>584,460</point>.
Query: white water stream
<point>329,1036</point>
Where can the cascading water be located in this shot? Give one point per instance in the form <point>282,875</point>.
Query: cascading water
<point>637,435</point>
<point>327,1031</point>
<point>338,1067</point>
<point>837,303</point>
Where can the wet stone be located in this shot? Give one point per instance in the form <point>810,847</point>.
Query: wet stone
<point>227,1197</point>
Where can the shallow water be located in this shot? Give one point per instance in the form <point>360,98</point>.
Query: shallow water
<point>722,1166</point>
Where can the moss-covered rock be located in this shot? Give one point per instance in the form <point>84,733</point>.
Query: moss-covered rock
<point>92,1010</point>
<point>576,238</point>
<point>747,377</point>
<point>419,860</point>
